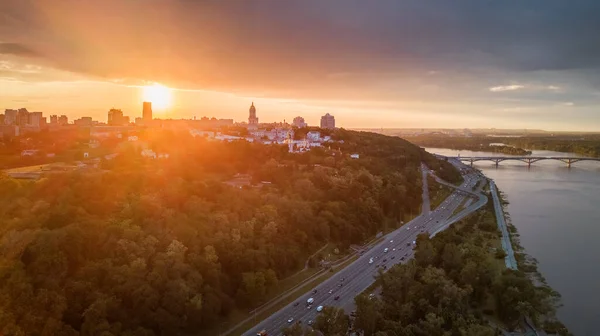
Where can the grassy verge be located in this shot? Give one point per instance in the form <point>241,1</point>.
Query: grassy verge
<point>291,298</point>
<point>438,193</point>
<point>460,207</point>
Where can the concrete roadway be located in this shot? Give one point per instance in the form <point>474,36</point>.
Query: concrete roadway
<point>358,276</point>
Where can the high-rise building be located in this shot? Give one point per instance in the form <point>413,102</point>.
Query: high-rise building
<point>22,117</point>
<point>147,112</point>
<point>83,122</point>
<point>35,119</point>
<point>299,122</point>
<point>53,119</point>
<point>328,121</point>
<point>10,117</point>
<point>63,120</point>
<point>115,117</point>
<point>252,119</point>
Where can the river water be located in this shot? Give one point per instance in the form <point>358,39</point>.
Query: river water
<point>557,213</point>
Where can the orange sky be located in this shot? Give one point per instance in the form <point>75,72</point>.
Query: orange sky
<point>389,64</point>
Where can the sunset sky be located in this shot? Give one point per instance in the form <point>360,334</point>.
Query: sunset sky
<point>454,64</point>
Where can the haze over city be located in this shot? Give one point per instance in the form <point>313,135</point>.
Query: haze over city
<point>512,64</point>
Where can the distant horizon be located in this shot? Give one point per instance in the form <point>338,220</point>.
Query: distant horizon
<point>387,63</point>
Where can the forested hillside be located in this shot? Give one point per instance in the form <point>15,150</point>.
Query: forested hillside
<point>160,247</point>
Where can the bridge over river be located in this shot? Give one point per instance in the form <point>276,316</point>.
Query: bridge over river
<point>527,159</point>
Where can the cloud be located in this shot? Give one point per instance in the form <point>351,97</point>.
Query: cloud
<point>312,49</point>
<point>502,88</point>
<point>17,50</point>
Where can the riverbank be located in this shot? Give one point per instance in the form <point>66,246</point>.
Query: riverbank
<point>492,298</point>
<point>555,211</point>
<point>481,144</point>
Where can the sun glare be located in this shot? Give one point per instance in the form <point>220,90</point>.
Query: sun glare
<point>159,95</point>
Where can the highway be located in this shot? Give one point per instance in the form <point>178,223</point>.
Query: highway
<point>341,289</point>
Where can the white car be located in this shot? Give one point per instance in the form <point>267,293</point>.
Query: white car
<point>407,228</point>
<point>385,250</point>
<point>391,241</point>
<point>414,242</point>
<point>394,249</point>
<point>290,320</point>
<point>319,308</point>
<point>371,261</point>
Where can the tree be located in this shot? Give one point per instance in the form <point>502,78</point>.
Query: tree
<point>332,322</point>
<point>294,330</point>
<point>368,316</point>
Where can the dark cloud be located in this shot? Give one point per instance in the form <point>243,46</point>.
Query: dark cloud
<point>307,47</point>
<point>17,49</point>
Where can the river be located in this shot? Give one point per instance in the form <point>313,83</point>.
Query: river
<point>557,213</point>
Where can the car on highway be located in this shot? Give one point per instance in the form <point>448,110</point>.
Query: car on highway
<point>310,301</point>
<point>310,322</point>
<point>315,291</point>
<point>385,250</point>
<point>290,320</point>
<point>319,308</point>
<point>393,257</point>
<point>391,241</point>
<point>402,258</point>
<point>337,297</point>
<point>384,260</point>
<point>371,261</point>
<point>296,304</point>
<point>330,291</point>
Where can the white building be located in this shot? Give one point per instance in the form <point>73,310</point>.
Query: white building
<point>207,134</point>
<point>258,133</point>
<point>29,152</point>
<point>313,136</point>
<point>148,153</point>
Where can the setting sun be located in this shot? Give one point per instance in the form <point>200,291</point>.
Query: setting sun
<point>159,95</point>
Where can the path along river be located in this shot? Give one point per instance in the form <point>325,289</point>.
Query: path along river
<point>557,213</point>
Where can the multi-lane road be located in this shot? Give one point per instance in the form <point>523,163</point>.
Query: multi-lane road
<point>396,247</point>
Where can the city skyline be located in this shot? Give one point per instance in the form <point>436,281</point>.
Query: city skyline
<point>400,65</point>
